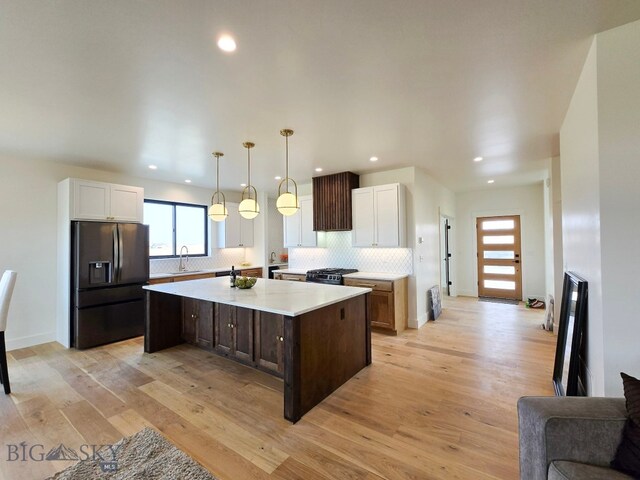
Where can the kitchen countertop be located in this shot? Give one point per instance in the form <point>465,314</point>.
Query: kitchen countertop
<point>197,272</point>
<point>274,296</point>
<point>376,276</point>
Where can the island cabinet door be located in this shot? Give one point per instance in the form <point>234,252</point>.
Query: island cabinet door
<point>189,320</point>
<point>269,341</point>
<point>224,318</point>
<point>243,335</point>
<point>204,324</point>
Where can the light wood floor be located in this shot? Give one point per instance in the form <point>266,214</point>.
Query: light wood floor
<point>439,402</point>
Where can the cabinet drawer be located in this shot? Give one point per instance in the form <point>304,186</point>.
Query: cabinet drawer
<point>251,272</point>
<point>197,276</point>
<point>156,281</point>
<point>293,277</point>
<point>377,285</point>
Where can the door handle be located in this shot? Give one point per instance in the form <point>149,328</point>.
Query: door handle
<point>116,254</point>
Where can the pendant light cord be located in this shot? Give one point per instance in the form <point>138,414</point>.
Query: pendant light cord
<point>249,171</point>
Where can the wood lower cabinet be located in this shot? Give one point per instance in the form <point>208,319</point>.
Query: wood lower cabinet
<point>197,322</point>
<point>294,277</point>
<point>389,302</point>
<point>234,332</point>
<point>269,342</point>
<point>181,278</point>
<point>251,272</point>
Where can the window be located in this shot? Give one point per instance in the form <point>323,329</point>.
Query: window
<point>173,225</point>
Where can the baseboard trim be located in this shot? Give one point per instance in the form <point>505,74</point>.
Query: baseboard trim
<point>30,341</point>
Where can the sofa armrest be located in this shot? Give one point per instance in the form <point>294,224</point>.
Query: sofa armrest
<point>581,429</point>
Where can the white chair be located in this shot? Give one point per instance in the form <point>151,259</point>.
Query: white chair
<point>6,290</point>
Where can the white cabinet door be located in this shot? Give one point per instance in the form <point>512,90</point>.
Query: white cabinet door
<point>363,234</point>
<point>246,232</point>
<point>387,222</point>
<point>292,230</point>
<point>90,200</point>
<point>308,238</point>
<point>126,203</point>
<point>105,201</point>
<point>235,231</point>
<point>229,233</point>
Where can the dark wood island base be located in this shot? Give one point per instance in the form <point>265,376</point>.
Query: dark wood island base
<point>315,352</point>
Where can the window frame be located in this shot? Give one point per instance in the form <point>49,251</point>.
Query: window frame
<point>173,220</point>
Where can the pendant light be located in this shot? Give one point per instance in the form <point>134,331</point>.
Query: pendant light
<point>249,207</point>
<point>287,202</point>
<point>218,210</point>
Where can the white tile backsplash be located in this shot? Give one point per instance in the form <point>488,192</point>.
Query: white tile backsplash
<point>340,253</point>
<point>221,258</point>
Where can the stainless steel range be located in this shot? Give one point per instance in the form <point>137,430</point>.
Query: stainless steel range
<point>331,276</point>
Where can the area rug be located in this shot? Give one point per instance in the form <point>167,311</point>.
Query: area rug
<point>145,455</point>
<point>499,300</point>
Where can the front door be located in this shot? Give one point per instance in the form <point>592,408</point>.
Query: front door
<point>499,260</point>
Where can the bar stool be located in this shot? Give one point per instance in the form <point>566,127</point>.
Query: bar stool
<point>7,283</point>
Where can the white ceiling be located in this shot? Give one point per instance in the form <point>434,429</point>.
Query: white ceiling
<point>122,84</point>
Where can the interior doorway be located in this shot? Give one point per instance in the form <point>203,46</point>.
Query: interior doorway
<point>499,257</point>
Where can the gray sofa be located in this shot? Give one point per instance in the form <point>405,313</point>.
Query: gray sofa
<point>564,438</point>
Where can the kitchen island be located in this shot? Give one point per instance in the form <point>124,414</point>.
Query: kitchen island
<point>315,337</point>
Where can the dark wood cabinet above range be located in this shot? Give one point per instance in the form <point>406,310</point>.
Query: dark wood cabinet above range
<point>332,201</point>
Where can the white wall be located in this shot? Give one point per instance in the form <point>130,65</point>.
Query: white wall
<point>600,141</point>
<point>526,201</point>
<point>28,209</point>
<point>619,149</point>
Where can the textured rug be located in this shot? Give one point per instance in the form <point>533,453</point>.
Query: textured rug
<point>498,300</point>
<point>145,455</point>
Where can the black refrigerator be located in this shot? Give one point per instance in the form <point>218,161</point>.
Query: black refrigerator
<point>109,266</point>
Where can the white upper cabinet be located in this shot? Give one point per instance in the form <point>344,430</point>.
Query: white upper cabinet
<point>379,216</point>
<point>105,201</point>
<point>298,228</point>
<point>235,231</point>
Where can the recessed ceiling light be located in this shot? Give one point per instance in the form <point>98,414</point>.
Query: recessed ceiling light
<point>187,181</point>
<point>478,159</point>
<point>243,184</point>
<point>318,169</point>
<point>153,167</point>
<point>373,159</point>
<point>226,43</point>
<point>490,181</point>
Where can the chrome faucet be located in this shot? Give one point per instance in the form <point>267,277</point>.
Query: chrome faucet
<point>272,257</point>
<point>182,267</point>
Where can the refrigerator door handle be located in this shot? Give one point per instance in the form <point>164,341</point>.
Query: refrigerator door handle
<point>120,253</point>
<point>116,254</point>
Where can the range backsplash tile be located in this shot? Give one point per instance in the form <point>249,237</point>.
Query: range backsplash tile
<point>221,258</point>
<point>340,253</point>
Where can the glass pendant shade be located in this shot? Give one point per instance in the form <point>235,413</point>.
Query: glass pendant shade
<point>218,210</point>
<point>287,203</point>
<point>249,207</point>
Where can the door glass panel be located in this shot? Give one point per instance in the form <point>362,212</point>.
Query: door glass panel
<point>499,254</point>
<point>500,284</point>
<point>499,269</point>
<point>159,217</point>
<point>498,225</point>
<point>498,240</point>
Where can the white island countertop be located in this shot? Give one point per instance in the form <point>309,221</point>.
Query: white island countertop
<point>273,296</point>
